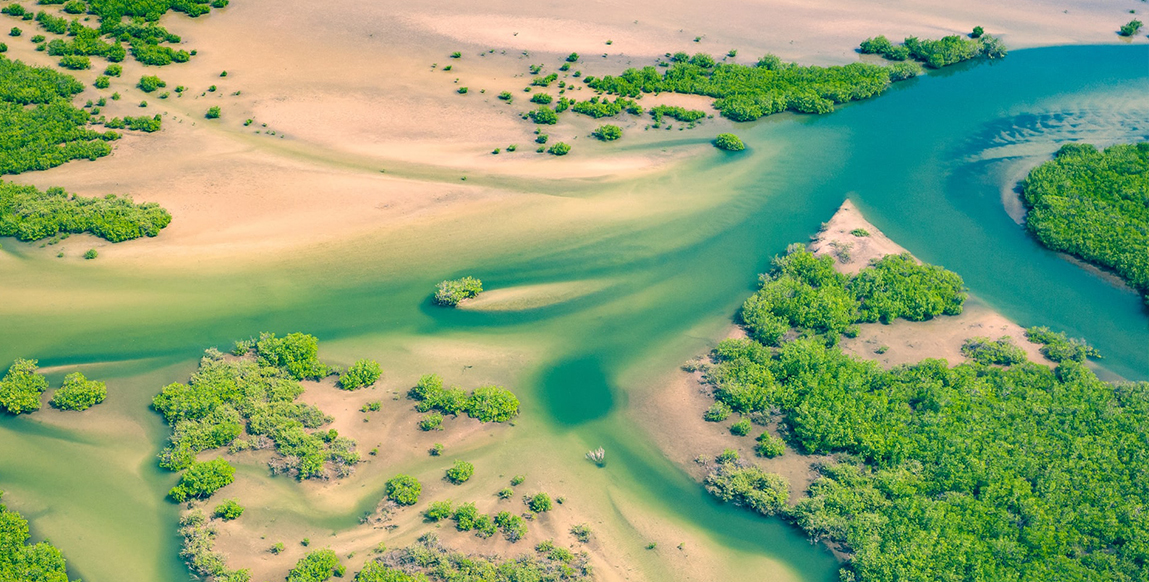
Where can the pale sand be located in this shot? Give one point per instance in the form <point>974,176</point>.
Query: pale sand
<point>352,89</point>
<point>526,297</point>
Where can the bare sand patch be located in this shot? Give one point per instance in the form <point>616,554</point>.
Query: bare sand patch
<point>526,297</point>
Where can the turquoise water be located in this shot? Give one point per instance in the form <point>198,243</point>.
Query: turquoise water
<point>927,163</point>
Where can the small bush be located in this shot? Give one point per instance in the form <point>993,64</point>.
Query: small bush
<point>541,98</point>
<point>404,489</point>
<point>572,58</point>
<point>977,32</point>
<point>78,393</point>
<point>729,142</point>
<point>438,511</point>
<point>436,449</point>
<point>431,421</point>
<point>15,31</point>
<point>102,82</point>
<point>860,232</point>
<point>75,62</point>
<point>581,532</point>
<point>540,502</point>
<point>212,112</point>
<point>506,493</point>
<point>228,510</point>
<point>451,293</point>
<point>362,373</point>
<point>740,428</point>
<point>21,388</point>
<point>506,96</point>
<point>518,480</point>
<point>769,446</point>
<point>462,90</point>
<point>460,472</point>
<point>1001,351</point>
<point>465,516</point>
<point>150,83</point>
<point>91,254</point>
<point>1129,29</point>
<point>559,149</point>
<point>544,115</point>
<point>203,479</point>
<point>114,70</point>
<point>456,55</point>
<point>717,412</point>
<point>607,132</point>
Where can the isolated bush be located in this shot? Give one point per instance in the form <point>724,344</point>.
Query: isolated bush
<point>559,149</point>
<point>228,510</point>
<point>717,412</point>
<point>362,373</point>
<point>1128,29</point>
<point>607,132</point>
<point>21,387</point>
<point>79,393</point>
<point>404,489</point>
<point>740,428</point>
<point>729,142</point>
<point>91,254</point>
<point>212,112</point>
<point>431,421</point>
<point>460,472</point>
<point>769,446</point>
<point>150,83</point>
<point>102,82</point>
<point>544,115</point>
<point>438,511</point>
<point>450,293</point>
<point>540,502</point>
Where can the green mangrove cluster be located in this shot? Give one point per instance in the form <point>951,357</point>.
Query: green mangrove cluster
<point>995,469</point>
<point>806,292</point>
<point>485,404</point>
<point>29,214</point>
<point>22,385</point>
<point>451,293</point>
<point>939,53</point>
<point>254,397</point>
<point>41,562</point>
<point>1094,205</point>
<point>39,126</point>
<point>429,561</point>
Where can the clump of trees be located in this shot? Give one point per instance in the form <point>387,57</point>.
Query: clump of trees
<point>729,142</point>
<point>29,214</point>
<point>452,292</point>
<point>198,549</point>
<point>598,107</point>
<point>485,404</point>
<point>1130,28</point>
<point>255,396</point>
<point>228,510</point>
<point>404,489</point>
<point>937,53</point>
<point>937,470</point>
<point>745,93</point>
<point>747,485</point>
<point>361,374</point>
<point>1001,351</point>
<point>804,291</point>
<point>1059,347</point>
<point>40,562</point>
<point>316,566</point>
<point>42,129</point>
<point>607,132</point>
<point>151,83</point>
<point>202,479</point>
<point>21,387</point>
<point>427,560</point>
<point>1092,204</point>
<point>460,472</point>
<point>675,112</point>
<point>78,393</point>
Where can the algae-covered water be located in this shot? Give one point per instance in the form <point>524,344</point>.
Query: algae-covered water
<point>929,163</point>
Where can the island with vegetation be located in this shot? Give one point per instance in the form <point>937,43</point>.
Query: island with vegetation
<point>927,470</point>
<point>1094,205</point>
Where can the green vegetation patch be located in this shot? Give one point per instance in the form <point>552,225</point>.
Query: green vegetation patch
<point>1001,351</point>
<point>41,562</point>
<point>804,291</point>
<point>460,472</point>
<point>1059,347</point>
<point>198,549</point>
<point>745,93</point>
<point>404,489</point>
<point>936,53</point>
<point>1019,473</point>
<point>29,214</point>
<point>451,293</point>
<point>254,395</point>
<point>607,132</point>
<point>316,566</point>
<point>79,393</point>
<point>485,404</point>
<point>21,387</point>
<point>1094,205</point>
<point>729,142</point>
<point>39,126</point>
<point>428,561</point>
<point>361,374</point>
<point>202,479</point>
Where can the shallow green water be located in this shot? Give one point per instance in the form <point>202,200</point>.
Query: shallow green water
<point>926,163</point>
